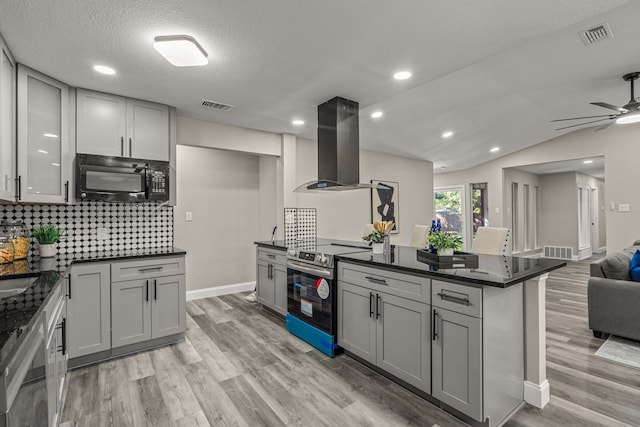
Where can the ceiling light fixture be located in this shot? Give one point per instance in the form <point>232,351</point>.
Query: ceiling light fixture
<point>297,122</point>
<point>181,51</point>
<point>629,118</point>
<point>376,115</point>
<point>43,152</point>
<point>447,134</point>
<point>495,149</point>
<point>402,75</point>
<point>50,135</point>
<point>586,162</point>
<point>103,69</point>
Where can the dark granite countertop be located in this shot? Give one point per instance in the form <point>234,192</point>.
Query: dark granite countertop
<point>34,278</point>
<point>493,270</point>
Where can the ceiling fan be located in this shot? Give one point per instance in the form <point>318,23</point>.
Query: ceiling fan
<point>630,113</point>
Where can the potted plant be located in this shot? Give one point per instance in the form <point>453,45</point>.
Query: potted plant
<point>445,243</point>
<point>377,236</point>
<point>47,237</point>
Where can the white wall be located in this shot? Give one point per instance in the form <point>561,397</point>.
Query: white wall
<point>222,190</point>
<point>619,144</point>
<point>342,215</point>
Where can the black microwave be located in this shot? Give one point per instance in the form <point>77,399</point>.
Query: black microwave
<point>121,179</point>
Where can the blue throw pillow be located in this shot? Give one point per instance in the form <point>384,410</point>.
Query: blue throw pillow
<point>635,266</point>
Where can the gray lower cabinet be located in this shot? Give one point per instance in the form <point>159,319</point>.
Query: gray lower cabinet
<point>457,361</point>
<point>88,309</point>
<point>390,332</point>
<point>150,306</point>
<point>271,279</point>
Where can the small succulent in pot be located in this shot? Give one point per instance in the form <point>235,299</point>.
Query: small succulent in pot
<point>443,240</point>
<point>48,234</point>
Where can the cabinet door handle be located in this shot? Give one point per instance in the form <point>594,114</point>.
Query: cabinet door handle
<point>142,270</point>
<point>130,150</point>
<point>64,336</point>
<point>370,304</point>
<point>147,284</point>
<point>377,306</point>
<point>270,271</point>
<point>434,321</point>
<point>451,298</point>
<point>155,289</point>
<point>66,192</point>
<point>18,187</point>
<point>376,280</point>
<point>122,146</point>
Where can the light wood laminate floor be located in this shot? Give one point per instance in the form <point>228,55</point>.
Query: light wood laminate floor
<point>240,367</point>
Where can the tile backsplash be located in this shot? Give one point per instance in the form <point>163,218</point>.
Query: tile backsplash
<point>128,226</point>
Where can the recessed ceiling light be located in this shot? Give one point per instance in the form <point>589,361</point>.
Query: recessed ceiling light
<point>586,162</point>
<point>103,69</point>
<point>402,75</point>
<point>55,164</point>
<point>181,51</point>
<point>43,152</point>
<point>50,135</point>
<point>495,149</point>
<point>629,118</point>
<point>376,115</point>
<point>447,134</point>
<point>298,122</point>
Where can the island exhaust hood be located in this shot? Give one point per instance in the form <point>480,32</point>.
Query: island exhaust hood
<point>338,148</point>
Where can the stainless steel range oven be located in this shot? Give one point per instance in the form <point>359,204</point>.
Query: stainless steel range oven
<point>312,294</point>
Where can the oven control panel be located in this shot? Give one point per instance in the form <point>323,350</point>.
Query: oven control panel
<point>315,258</point>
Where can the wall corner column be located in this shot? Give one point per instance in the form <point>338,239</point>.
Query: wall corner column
<point>286,179</point>
<point>536,386</point>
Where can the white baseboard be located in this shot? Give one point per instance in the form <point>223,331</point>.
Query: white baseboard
<point>536,394</point>
<point>216,291</point>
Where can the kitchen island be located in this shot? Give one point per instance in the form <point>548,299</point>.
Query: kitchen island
<point>471,340</point>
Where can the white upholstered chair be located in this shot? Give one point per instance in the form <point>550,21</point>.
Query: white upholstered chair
<point>419,236</point>
<point>492,241</point>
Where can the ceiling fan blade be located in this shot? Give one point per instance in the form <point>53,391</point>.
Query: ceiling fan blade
<point>611,116</point>
<point>610,107</point>
<point>582,124</point>
<point>604,126</point>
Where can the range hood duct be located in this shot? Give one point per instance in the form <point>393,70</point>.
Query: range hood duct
<point>338,148</point>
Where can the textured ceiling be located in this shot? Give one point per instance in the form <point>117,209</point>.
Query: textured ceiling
<point>495,72</point>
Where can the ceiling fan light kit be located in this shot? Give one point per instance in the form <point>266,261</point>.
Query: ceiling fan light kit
<point>629,113</point>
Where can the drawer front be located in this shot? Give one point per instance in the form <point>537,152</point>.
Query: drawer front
<point>459,298</point>
<point>142,269</point>
<point>273,256</point>
<point>403,285</point>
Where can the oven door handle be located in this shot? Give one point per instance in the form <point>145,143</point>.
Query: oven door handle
<point>316,271</point>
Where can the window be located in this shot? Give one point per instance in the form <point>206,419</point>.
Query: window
<point>450,209</point>
<point>479,206</point>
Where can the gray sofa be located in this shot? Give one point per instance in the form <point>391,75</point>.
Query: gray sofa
<point>614,299</point>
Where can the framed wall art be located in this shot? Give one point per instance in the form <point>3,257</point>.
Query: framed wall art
<point>384,203</point>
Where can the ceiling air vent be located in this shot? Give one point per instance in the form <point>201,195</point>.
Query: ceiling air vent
<point>596,34</point>
<point>217,105</point>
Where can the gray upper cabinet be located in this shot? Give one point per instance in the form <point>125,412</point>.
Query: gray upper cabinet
<point>457,361</point>
<point>271,279</point>
<point>43,139</point>
<point>113,125</point>
<point>88,309</point>
<point>7,123</point>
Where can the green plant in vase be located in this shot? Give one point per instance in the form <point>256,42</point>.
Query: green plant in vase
<point>445,242</point>
<point>47,236</point>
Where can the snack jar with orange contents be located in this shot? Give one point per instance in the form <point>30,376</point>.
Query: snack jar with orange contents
<point>7,252</point>
<point>16,230</point>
